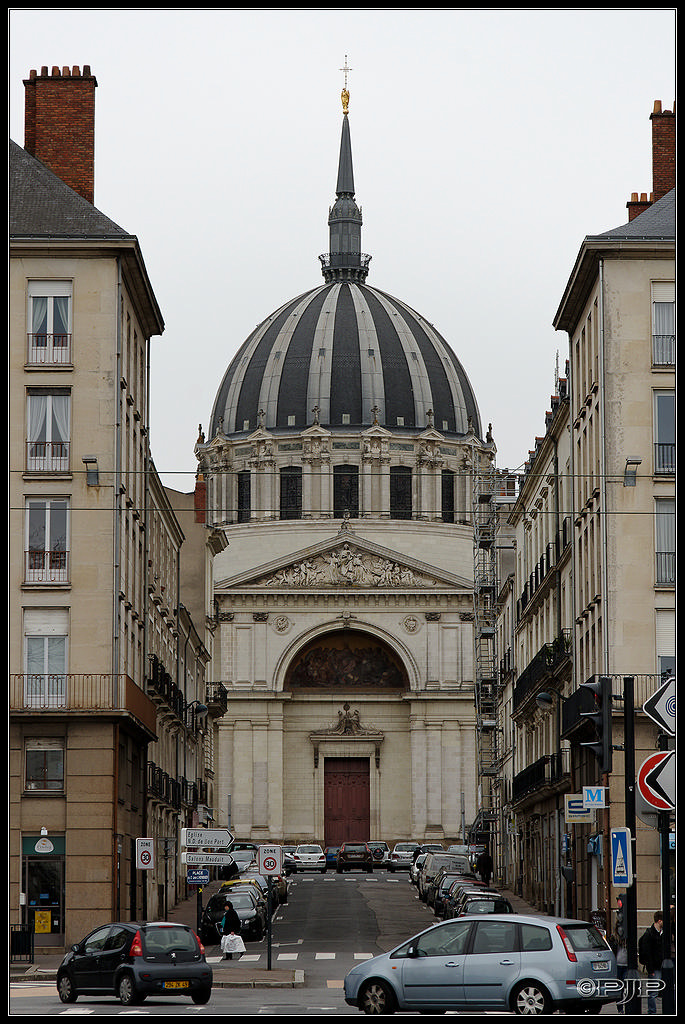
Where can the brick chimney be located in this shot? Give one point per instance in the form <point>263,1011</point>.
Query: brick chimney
<point>663,161</point>
<point>663,150</point>
<point>59,124</point>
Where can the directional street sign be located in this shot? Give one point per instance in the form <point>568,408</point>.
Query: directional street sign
<point>661,707</point>
<point>216,838</point>
<point>621,857</point>
<point>656,780</point>
<point>206,859</point>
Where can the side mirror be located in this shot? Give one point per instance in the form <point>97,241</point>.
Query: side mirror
<point>413,952</point>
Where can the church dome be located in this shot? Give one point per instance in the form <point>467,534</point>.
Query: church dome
<point>345,354</point>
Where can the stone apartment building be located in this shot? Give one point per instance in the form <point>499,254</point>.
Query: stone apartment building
<point>594,589</point>
<point>107,671</point>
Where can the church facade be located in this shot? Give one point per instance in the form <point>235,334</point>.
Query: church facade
<point>339,462</point>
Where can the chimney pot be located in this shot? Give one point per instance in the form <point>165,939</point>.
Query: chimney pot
<point>657,107</point>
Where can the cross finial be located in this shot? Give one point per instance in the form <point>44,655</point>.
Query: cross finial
<point>344,95</point>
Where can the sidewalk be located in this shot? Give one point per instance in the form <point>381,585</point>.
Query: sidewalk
<point>227,973</point>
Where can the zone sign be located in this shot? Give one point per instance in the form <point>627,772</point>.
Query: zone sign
<point>270,860</point>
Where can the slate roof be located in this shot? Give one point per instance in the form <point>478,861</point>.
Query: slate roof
<point>657,221</point>
<point>41,205</point>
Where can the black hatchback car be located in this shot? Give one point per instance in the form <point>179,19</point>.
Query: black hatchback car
<point>133,961</point>
<point>354,855</point>
<point>249,906</point>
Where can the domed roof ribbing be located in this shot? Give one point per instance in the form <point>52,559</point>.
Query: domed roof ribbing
<point>345,354</point>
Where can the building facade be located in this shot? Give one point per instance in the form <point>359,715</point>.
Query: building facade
<point>90,532</point>
<point>339,461</point>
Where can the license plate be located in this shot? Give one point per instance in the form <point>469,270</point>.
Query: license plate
<point>176,984</point>
<point>600,965</point>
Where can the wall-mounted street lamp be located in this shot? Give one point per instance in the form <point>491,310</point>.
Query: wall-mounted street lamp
<point>198,710</point>
<point>630,472</point>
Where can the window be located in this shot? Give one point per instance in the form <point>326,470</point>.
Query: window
<point>447,496</point>
<point>49,322</point>
<point>494,937</point>
<point>47,445</point>
<point>663,324</point>
<point>244,496</point>
<point>46,545</point>
<point>44,762</point>
<point>345,491</point>
<point>534,938</point>
<point>291,492</point>
<point>46,633</point>
<point>665,540</point>
<point>664,432</point>
<point>400,492</point>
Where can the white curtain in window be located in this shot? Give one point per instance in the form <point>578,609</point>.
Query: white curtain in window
<point>39,315</point>
<point>60,417</point>
<point>38,408</point>
<point>60,315</point>
<point>664,318</point>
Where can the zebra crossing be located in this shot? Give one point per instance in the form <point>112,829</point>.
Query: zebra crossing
<point>255,958</point>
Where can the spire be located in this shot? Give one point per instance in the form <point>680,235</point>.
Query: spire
<point>345,261</point>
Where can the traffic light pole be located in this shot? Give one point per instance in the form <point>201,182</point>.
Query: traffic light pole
<point>634,1004</point>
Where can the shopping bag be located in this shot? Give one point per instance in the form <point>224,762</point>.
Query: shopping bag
<point>232,944</point>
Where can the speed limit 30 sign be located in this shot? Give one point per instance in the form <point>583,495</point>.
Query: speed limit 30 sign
<point>270,860</point>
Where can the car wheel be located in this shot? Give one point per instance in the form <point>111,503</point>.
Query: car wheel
<point>201,995</point>
<point>126,990</point>
<point>323,871</point>
<point>376,997</point>
<point>65,989</point>
<point>531,998</point>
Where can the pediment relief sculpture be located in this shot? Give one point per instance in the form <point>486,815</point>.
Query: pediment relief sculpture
<point>348,566</point>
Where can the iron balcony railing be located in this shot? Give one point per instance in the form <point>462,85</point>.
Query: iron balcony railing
<point>48,350</point>
<point>47,456</point>
<point>81,692</point>
<point>42,566</point>
<point>547,771</point>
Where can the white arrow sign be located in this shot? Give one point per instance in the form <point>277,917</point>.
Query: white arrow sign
<point>661,707</point>
<point>219,838</point>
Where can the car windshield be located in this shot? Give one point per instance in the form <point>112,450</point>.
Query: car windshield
<point>584,937</point>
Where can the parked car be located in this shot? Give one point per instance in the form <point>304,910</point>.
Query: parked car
<point>279,886</point>
<point>288,860</point>
<point>457,890</point>
<point>416,867</point>
<point>331,853</point>
<point>520,963</point>
<point>428,848</point>
<point>440,887</point>
<point>309,857</point>
<point>249,906</point>
<point>380,851</point>
<point>401,856</point>
<point>433,863</point>
<point>461,848</point>
<point>482,903</point>
<point>354,855</point>
<point>133,961</point>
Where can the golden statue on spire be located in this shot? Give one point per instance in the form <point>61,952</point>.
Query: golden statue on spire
<point>344,95</point>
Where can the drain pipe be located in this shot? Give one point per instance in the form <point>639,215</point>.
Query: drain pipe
<point>117,501</point>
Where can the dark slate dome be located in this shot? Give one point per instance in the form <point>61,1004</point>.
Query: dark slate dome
<point>345,354</point>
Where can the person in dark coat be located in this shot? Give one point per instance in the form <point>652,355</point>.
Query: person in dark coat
<point>484,866</point>
<point>230,923</point>
<point>651,954</point>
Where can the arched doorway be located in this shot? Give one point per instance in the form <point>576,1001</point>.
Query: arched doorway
<point>350,667</point>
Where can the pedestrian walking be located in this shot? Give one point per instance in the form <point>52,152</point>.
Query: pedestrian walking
<point>484,866</point>
<point>230,932</point>
<point>651,954</point>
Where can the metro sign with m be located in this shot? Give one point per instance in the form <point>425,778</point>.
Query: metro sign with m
<point>594,797</point>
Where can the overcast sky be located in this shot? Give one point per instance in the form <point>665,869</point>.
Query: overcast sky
<point>487,144</point>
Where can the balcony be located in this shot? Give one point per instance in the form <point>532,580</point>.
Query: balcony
<point>48,350</point>
<point>47,567</point>
<point>663,350</point>
<point>47,456</point>
<point>664,459</point>
<point>66,693</point>
<point>572,724</point>
<point>549,774</point>
<point>547,663</point>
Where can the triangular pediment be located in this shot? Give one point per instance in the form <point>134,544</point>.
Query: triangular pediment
<point>345,560</point>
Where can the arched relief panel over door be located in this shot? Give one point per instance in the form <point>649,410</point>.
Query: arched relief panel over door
<point>346,662</point>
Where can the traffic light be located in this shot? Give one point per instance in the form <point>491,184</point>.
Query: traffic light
<point>600,717</point>
<point>620,917</point>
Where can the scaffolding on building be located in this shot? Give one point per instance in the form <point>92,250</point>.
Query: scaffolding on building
<point>486,681</point>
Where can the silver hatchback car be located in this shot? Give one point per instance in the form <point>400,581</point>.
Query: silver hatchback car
<point>513,962</point>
